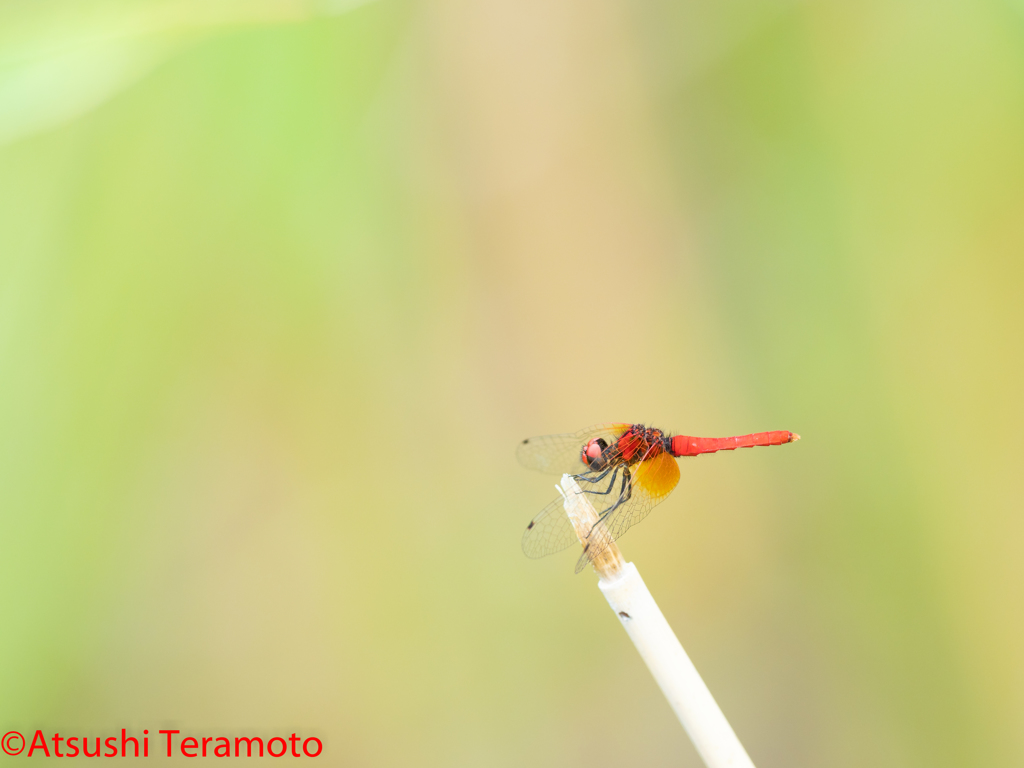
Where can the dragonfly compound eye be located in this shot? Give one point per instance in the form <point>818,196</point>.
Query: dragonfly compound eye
<point>592,450</point>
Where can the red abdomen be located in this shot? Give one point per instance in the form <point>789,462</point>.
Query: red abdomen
<point>684,445</point>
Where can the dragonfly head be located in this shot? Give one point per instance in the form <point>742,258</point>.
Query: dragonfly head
<point>592,453</point>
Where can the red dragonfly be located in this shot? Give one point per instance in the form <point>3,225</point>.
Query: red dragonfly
<point>625,470</point>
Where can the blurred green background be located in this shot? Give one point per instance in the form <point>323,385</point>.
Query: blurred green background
<point>283,283</point>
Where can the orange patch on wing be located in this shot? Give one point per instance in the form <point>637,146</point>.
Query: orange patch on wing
<point>657,475</point>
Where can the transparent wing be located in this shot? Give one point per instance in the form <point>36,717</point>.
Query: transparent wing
<point>560,454</point>
<point>622,497</point>
<point>550,531</point>
<point>652,481</point>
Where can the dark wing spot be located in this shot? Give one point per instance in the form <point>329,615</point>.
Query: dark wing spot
<point>586,548</point>
<point>526,441</point>
<point>530,525</point>
<point>624,615</point>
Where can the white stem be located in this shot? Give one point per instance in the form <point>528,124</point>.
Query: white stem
<point>675,674</point>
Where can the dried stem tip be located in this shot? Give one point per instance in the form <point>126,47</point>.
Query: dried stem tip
<point>591,531</point>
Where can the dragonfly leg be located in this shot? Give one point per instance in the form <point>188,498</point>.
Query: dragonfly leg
<point>596,479</point>
<point>624,495</point>
<point>610,485</point>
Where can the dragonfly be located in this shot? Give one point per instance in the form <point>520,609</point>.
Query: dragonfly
<point>624,469</point>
